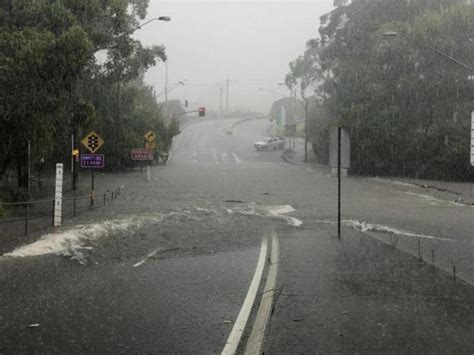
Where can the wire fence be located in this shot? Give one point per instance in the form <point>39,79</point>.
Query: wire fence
<point>27,216</point>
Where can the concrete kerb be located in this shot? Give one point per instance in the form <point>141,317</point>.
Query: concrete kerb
<point>286,155</point>
<point>239,122</point>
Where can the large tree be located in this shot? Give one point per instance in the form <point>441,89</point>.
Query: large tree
<point>407,106</point>
<point>50,71</point>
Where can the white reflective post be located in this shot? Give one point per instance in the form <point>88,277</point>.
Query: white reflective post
<point>58,199</point>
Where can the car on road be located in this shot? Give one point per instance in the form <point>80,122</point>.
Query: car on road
<point>270,143</point>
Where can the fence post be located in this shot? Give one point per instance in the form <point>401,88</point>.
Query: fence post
<point>74,207</point>
<point>105,196</point>
<point>26,219</point>
<point>91,202</point>
<point>112,195</point>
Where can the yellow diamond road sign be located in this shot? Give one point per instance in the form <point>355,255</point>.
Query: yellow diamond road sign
<point>150,136</point>
<point>92,142</point>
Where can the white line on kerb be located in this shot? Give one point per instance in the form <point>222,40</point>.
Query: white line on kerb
<point>262,319</point>
<point>237,160</point>
<point>239,325</point>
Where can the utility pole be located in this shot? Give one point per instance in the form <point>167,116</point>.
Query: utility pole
<point>306,131</point>
<point>220,107</point>
<point>29,165</point>
<point>227,97</point>
<point>166,81</point>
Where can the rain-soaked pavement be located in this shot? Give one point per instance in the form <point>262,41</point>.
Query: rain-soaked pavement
<point>166,267</point>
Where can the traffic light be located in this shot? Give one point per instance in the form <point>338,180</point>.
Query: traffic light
<point>202,111</point>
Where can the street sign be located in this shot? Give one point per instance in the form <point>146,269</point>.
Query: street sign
<point>150,136</point>
<point>472,138</point>
<point>92,161</point>
<point>141,154</point>
<point>92,142</point>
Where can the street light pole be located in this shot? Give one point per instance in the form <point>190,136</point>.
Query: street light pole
<point>166,81</point>
<point>306,131</point>
<point>445,55</point>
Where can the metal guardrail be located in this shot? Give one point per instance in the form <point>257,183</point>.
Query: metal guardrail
<point>23,212</point>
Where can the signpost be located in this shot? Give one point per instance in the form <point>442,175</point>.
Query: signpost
<point>92,161</point>
<point>141,154</point>
<point>472,138</point>
<point>147,153</point>
<point>150,136</point>
<point>92,142</point>
<point>58,197</point>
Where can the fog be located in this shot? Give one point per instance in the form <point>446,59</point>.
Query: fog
<point>248,42</point>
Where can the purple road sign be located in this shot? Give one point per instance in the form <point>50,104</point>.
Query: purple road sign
<point>141,154</point>
<point>92,160</point>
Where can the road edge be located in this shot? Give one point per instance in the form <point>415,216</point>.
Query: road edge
<point>265,309</point>
<point>238,329</point>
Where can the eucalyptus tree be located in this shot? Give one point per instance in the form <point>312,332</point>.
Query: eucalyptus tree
<point>49,68</point>
<point>406,106</point>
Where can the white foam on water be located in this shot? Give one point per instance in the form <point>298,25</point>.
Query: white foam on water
<point>365,227</point>
<point>280,211</point>
<point>70,242</point>
<point>435,201</point>
<point>277,211</point>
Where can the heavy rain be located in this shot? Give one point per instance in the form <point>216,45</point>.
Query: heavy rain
<point>237,177</point>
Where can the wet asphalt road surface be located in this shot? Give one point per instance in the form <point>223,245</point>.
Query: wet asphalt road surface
<point>170,270</point>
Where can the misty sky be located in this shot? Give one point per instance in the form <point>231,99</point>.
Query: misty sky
<point>251,42</point>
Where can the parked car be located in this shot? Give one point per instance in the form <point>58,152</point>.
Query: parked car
<point>270,143</point>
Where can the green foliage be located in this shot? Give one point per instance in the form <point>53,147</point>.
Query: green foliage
<point>407,107</point>
<point>53,86</point>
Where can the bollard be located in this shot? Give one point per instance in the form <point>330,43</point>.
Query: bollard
<point>105,195</point>
<point>111,196</point>
<point>91,202</point>
<point>26,219</point>
<point>74,207</point>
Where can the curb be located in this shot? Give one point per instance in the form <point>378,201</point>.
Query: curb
<point>287,159</point>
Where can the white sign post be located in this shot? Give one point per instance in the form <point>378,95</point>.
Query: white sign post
<point>58,199</point>
<point>472,138</point>
<point>148,173</point>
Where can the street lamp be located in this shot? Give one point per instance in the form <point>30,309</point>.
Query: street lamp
<point>172,87</point>
<point>161,18</point>
<point>452,59</point>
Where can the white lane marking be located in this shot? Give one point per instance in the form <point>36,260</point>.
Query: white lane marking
<point>262,319</point>
<point>237,160</point>
<point>152,254</point>
<point>239,325</point>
